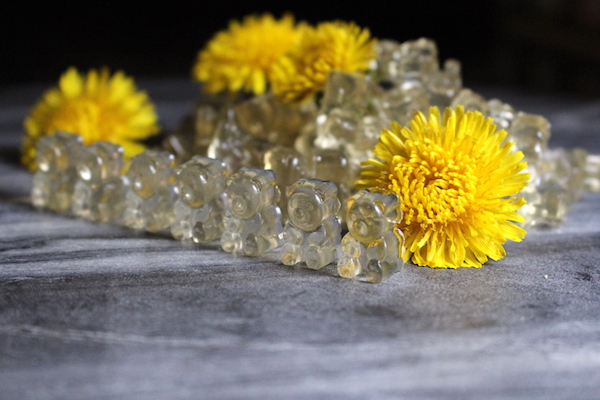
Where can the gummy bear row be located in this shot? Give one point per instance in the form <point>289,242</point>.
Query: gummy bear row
<point>198,202</point>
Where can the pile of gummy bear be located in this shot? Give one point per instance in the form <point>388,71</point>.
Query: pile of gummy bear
<point>258,174</point>
<point>330,138</point>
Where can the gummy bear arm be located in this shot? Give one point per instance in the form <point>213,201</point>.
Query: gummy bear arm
<point>292,235</point>
<point>270,221</point>
<point>333,229</point>
<point>318,237</point>
<point>376,249</point>
<point>394,240</point>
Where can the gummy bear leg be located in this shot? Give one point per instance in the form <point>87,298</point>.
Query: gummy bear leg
<point>232,242</point>
<point>378,271</point>
<point>40,193</point>
<point>254,246</point>
<point>257,245</point>
<point>290,254</point>
<point>82,201</point>
<point>158,221</point>
<point>348,267</point>
<point>205,232</point>
<point>61,202</point>
<point>317,258</point>
<point>134,219</point>
<point>181,230</point>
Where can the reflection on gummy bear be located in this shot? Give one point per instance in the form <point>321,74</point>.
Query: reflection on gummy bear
<point>373,247</point>
<point>313,233</point>
<point>253,220</point>
<point>100,188</point>
<point>152,192</point>
<point>54,181</point>
<point>200,208</point>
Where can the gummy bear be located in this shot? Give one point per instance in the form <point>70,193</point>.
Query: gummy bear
<point>253,220</point>
<point>373,247</point>
<point>289,166</point>
<point>100,188</point>
<point>54,181</point>
<point>313,233</point>
<point>200,208</point>
<point>152,192</point>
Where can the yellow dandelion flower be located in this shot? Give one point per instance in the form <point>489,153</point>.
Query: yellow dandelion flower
<point>241,57</point>
<point>97,107</point>
<point>457,179</point>
<point>330,46</point>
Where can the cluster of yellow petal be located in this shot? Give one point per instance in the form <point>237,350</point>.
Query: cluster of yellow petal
<point>241,57</point>
<point>330,46</point>
<point>96,106</point>
<point>456,178</point>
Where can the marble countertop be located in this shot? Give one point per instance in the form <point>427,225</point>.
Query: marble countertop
<point>90,311</point>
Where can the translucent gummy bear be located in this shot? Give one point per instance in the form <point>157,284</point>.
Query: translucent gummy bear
<point>232,144</point>
<point>547,205</point>
<point>418,57</point>
<point>531,134</point>
<point>443,85</point>
<point>270,120</point>
<point>471,101</point>
<point>313,232</point>
<point>557,180</point>
<point>200,208</point>
<point>54,181</point>
<point>152,193</point>
<point>373,247</point>
<point>253,220</point>
<point>502,113</point>
<point>289,166</point>
<point>100,188</point>
<point>347,119</point>
<point>333,165</point>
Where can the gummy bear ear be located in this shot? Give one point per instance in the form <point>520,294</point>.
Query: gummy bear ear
<point>276,194</point>
<point>320,193</point>
<point>381,205</point>
<point>295,186</point>
<point>179,169</point>
<point>352,200</point>
<point>257,184</point>
<point>203,175</point>
<point>337,206</point>
<point>237,176</point>
<point>327,188</point>
<point>171,160</point>
<point>393,207</point>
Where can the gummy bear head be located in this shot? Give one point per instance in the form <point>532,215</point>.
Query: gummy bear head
<point>249,190</point>
<point>311,201</point>
<point>200,180</point>
<point>99,161</point>
<point>56,152</point>
<point>149,171</point>
<point>371,215</point>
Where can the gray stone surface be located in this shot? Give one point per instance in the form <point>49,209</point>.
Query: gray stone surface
<point>95,311</point>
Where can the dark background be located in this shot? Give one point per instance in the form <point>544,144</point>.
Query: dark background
<point>543,45</point>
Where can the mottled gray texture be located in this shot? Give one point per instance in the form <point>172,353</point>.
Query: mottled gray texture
<point>95,311</point>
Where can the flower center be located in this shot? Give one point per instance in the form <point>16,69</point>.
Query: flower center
<point>437,185</point>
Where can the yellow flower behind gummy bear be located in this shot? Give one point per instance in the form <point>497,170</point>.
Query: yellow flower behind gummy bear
<point>97,106</point>
<point>241,57</point>
<point>330,46</point>
<point>457,180</point>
